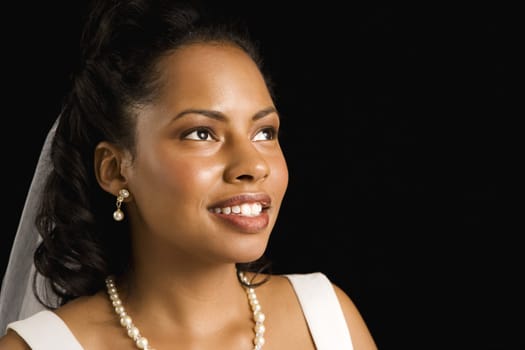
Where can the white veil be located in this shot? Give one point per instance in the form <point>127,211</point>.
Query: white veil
<point>17,300</point>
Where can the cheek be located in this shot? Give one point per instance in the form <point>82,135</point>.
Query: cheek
<point>187,175</point>
<point>279,174</point>
<point>164,175</point>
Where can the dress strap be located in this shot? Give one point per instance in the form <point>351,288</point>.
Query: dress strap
<point>322,311</point>
<point>45,331</point>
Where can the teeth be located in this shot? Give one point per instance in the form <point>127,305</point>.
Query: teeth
<point>245,209</point>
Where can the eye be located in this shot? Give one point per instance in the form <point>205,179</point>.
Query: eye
<point>265,134</point>
<point>200,134</point>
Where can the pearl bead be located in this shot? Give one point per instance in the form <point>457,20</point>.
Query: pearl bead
<point>259,340</point>
<point>259,316</point>
<point>119,309</point>
<point>142,343</point>
<point>126,321</point>
<point>123,193</point>
<point>118,215</point>
<point>133,332</point>
<point>259,328</point>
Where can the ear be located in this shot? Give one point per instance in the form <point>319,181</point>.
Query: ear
<point>109,163</point>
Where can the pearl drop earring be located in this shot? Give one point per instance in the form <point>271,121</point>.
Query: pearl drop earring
<point>118,214</point>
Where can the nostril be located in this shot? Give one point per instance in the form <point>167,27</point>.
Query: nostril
<point>248,169</point>
<point>244,177</point>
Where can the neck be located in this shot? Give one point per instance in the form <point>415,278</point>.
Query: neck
<point>185,297</point>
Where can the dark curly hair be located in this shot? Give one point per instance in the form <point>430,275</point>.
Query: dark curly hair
<point>120,47</point>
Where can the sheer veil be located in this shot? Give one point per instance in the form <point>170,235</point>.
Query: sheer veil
<point>17,300</point>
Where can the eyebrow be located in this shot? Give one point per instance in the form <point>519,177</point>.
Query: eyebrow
<point>221,116</point>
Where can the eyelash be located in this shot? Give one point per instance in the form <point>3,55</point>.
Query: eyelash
<point>198,131</point>
<point>209,133</point>
<point>268,130</point>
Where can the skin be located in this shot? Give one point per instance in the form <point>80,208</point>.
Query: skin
<point>209,138</point>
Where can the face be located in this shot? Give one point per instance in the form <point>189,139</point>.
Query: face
<point>209,174</point>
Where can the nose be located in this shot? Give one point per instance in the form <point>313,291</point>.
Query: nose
<point>246,163</point>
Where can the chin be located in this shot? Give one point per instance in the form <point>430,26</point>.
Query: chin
<point>250,253</point>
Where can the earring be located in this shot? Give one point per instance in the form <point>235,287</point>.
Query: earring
<point>118,214</point>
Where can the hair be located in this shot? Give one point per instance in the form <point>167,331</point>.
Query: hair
<point>121,46</point>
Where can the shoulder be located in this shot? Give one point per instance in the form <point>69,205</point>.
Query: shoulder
<point>72,324</point>
<point>12,341</point>
<point>84,323</point>
<point>89,316</point>
<point>361,336</point>
<point>32,331</point>
<point>321,299</point>
<point>285,322</point>
<point>84,309</point>
<point>280,295</point>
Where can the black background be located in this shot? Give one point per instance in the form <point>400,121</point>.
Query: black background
<point>399,130</point>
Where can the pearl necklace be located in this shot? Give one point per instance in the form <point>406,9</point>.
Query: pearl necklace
<point>142,343</point>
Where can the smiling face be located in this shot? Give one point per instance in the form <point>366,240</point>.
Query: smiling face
<point>209,175</point>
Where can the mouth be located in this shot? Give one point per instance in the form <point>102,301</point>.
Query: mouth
<point>243,205</point>
<point>247,212</point>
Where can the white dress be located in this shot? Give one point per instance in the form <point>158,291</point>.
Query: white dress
<point>46,331</point>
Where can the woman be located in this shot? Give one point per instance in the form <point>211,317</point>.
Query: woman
<point>165,180</point>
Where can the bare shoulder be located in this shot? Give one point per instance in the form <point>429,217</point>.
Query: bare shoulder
<point>284,291</point>
<point>281,296</point>
<point>361,336</point>
<point>285,322</point>
<point>90,319</point>
<point>12,341</point>
<point>84,309</point>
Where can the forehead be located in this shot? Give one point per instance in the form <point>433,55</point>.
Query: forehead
<point>207,61</point>
<point>210,72</point>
